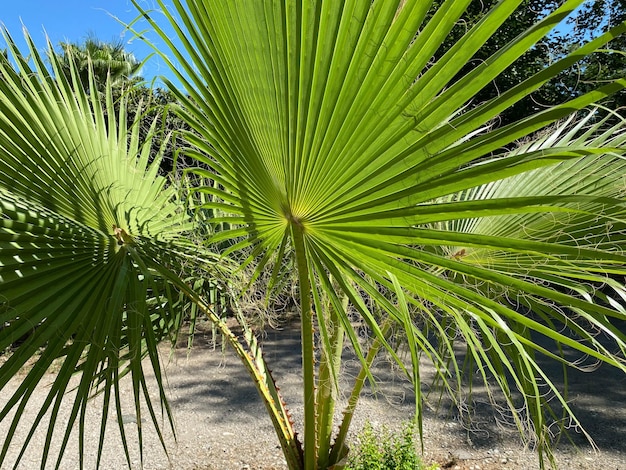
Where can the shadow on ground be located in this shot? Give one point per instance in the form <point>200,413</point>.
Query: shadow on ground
<point>597,398</point>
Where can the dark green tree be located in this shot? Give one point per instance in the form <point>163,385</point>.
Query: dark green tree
<point>533,61</point>
<point>155,106</point>
<point>592,19</point>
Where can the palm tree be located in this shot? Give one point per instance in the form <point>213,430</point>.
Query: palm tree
<point>335,139</point>
<point>107,59</point>
<point>335,142</point>
<point>81,205</point>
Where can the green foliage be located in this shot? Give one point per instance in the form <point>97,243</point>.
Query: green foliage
<point>98,60</point>
<point>335,141</point>
<point>339,136</point>
<point>100,237</point>
<point>109,62</point>
<point>591,20</point>
<point>386,450</point>
<point>528,13</point>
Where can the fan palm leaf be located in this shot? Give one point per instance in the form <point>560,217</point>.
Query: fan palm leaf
<point>90,239</point>
<point>578,231</point>
<point>107,61</point>
<point>334,138</point>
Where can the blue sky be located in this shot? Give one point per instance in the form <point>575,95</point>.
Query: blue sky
<point>74,20</point>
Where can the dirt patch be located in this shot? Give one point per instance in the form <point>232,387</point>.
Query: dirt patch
<point>221,423</point>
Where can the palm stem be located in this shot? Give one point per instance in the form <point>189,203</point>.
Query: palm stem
<point>339,450</point>
<point>308,349</point>
<point>330,363</point>
<point>253,360</point>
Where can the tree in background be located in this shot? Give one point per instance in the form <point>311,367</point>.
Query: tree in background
<point>531,62</point>
<point>588,22</point>
<point>109,60</point>
<point>593,19</point>
<point>154,108</point>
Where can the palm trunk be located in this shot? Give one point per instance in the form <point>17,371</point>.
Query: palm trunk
<point>308,347</point>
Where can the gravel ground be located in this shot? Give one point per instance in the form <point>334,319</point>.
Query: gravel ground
<point>221,423</point>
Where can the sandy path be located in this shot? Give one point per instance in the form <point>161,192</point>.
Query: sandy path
<point>221,423</point>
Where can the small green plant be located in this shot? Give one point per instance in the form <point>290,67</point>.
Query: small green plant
<point>386,450</point>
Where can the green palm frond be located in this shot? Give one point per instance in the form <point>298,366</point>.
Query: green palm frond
<point>106,61</point>
<point>594,174</point>
<point>556,249</point>
<point>332,134</point>
<point>90,241</point>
